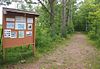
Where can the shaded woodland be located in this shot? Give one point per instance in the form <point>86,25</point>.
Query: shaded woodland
<point>60,18</point>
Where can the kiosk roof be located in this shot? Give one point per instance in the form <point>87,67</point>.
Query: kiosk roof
<point>19,11</point>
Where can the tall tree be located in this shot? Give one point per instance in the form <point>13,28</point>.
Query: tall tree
<point>51,2</point>
<point>71,11</point>
<point>64,19</point>
<point>51,13</point>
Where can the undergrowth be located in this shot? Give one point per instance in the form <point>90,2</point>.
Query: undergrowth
<point>95,42</point>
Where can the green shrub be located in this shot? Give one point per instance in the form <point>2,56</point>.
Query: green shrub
<point>92,35</point>
<point>98,43</point>
<point>43,40</point>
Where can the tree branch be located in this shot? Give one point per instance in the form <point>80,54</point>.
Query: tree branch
<point>44,7</point>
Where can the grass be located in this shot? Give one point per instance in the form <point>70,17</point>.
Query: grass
<point>15,55</point>
<point>96,61</point>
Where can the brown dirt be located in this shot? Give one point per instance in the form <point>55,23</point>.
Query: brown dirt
<point>75,55</point>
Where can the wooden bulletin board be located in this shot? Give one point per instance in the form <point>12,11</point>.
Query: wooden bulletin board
<point>18,28</point>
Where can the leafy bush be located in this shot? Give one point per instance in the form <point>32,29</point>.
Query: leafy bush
<point>92,35</point>
<point>98,43</point>
<point>43,40</point>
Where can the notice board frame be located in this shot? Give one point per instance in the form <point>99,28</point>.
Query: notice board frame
<point>17,42</point>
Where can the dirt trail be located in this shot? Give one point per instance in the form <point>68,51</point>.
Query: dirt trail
<point>75,55</point>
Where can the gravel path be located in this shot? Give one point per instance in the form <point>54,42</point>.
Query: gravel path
<point>75,55</point>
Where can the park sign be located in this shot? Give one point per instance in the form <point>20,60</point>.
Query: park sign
<point>18,28</point>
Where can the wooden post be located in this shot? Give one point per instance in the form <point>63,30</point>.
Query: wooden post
<point>34,33</point>
<point>33,46</point>
<point>3,49</point>
<point>4,54</point>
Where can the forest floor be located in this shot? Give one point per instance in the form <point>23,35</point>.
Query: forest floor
<point>77,54</point>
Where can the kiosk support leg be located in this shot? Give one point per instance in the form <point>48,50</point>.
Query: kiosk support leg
<point>33,45</point>
<point>4,55</point>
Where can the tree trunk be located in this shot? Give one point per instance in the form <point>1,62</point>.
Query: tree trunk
<point>69,15</point>
<point>51,13</point>
<point>52,23</point>
<point>64,19</point>
<point>70,22</point>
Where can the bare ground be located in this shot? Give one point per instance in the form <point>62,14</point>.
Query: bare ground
<point>75,55</point>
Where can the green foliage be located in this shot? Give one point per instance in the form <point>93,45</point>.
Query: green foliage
<point>92,35</point>
<point>43,40</point>
<point>88,19</point>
